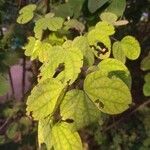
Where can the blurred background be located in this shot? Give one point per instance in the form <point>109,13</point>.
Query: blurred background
<point>127,131</point>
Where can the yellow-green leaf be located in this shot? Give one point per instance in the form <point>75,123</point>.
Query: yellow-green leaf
<point>26,14</point>
<point>65,139</point>
<point>131,47</point>
<point>118,52</point>
<point>105,28</point>
<point>111,96</point>
<point>52,23</point>
<point>67,55</point>
<point>79,108</point>
<point>82,43</point>
<point>108,17</point>
<point>113,67</point>
<point>100,34</point>
<point>44,132</point>
<point>43,98</point>
<point>37,49</point>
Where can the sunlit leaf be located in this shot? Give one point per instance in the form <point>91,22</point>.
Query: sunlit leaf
<point>108,17</point>
<point>37,49</point>
<point>43,98</point>
<point>111,96</point>
<point>44,132</point>
<point>100,34</point>
<point>82,43</point>
<point>113,67</point>
<point>105,28</point>
<point>56,39</point>
<point>68,56</point>
<point>65,139</point>
<point>131,47</point>
<point>77,107</point>
<point>26,14</point>
<point>118,52</point>
<point>51,23</point>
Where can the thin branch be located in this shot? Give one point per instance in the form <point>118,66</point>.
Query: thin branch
<point>5,123</point>
<point>11,83</point>
<point>113,38</point>
<point>130,114</point>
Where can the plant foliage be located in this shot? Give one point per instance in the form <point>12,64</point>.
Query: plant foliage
<point>70,93</point>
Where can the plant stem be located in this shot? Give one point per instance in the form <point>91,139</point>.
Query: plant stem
<point>11,83</point>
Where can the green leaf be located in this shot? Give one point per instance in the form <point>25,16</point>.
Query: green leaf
<point>2,139</point>
<point>25,123</point>
<point>72,8</point>
<point>94,5</point>
<point>131,47</point>
<point>68,56</point>
<point>11,58</point>
<point>94,37</point>
<point>36,48</point>
<point>12,130</point>
<point>101,33</point>
<point>108,17</point>
<point>65,139</point>
<point>82,43</point>
<point>44,132</point>
<point>73,23</point>
<point>145,64</point>
<point>51,23</point>
<point>118,52</point>
<point>76,6</point>
<point>63,10</point>
<point>9,112</point>
<point>26,14</point>
<point>4,86</point>
<point>43,98</point>
<point>146,87</point>
<point>113,67</point>
<point>78,107</point>
<point>111,96</point>
<point>117,7</point>
<point>147,77</point>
